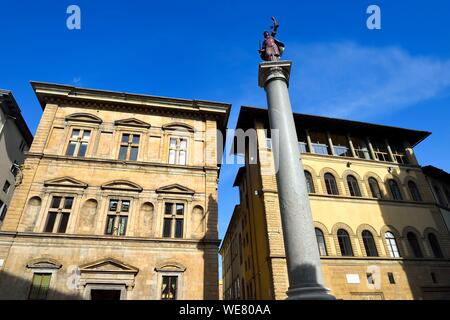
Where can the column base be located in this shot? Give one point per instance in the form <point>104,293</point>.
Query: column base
<point>309,293</point>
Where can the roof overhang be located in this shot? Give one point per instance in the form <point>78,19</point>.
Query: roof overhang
<point>11,108</point>
<point>247,116</point>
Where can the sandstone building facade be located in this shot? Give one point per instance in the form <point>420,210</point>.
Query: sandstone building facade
<point>118,199</point>
<point>380,232</point>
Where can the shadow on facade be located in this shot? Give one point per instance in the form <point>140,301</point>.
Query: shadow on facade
<point>16,288</point>
<point>211,253</point>
<point>427,276</point>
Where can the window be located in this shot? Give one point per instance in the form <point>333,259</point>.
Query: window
<point>39,286</point>
<point>3,209</point>
<point>302,141</point>
<point>439,197</point>
<point>391,278</point>
<point>15,168</point>
<point>381,151</point>
<point>353,186</point>
<point>269,143</point>
<point>433,277</point>
<point>117,219</point>
<point>169,288</point>
<point>398,151</point>
<point>6,187</point>
<point>78,143</point>
<point>341,146</point>
<point>240,249</point>
<point>375,188</point>
<point>360,147</point>
<point>435,247</point>
<point>302,147</point>
<point>415,194</point>
<point>414,245</point>
<point>321,242</point>
<point>395,190</point>
<point>58,214</point>
<point>177,151</point>
<point>129,147</point>
<point>344,243</point>
<point>392,245</point>
<point>369,244</point>
<point>309,182</point>
<point>319,142</point>
<point>330,183</point>
<point>22,146</point>
<point>173,220</point>
<point>370,278</point>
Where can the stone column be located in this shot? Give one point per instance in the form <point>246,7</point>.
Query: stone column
<point>309,142</point>
<point>352,148</point>
<point>371,151</point>
<point>302,255</point>
<point>330,144</point>
<point>391,155</point>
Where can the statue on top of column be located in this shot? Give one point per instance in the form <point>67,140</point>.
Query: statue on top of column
<point>271,49</point>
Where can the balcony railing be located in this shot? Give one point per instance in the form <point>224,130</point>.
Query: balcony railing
<point>341,151</point>
<point>320,148</point>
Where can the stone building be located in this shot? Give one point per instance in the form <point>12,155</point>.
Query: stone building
<point>439,182</point>
<point>15,140</point>
<point>118,199</point>
<point>379,231</point>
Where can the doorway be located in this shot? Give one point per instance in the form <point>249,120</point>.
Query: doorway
<point>100,294</point>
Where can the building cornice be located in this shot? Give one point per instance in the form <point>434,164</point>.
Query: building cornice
<point>120,163</point>
<point>103,238</point>
<point>48,92</point>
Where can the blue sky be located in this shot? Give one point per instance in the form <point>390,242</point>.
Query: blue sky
<point>399,75</point>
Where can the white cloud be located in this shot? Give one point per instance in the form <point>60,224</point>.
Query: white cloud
<point>347,80</point>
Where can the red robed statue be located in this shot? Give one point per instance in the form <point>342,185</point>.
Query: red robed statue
<point>271,49</point>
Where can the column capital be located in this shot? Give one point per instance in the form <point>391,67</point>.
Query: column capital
<point>274,69</point>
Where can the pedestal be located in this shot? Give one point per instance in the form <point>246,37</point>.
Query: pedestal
<point>302,255</point>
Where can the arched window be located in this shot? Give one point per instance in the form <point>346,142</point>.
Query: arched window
<point>369,244</point>
<point>447,194</point>
<point>321,242</point>
<point>392,245</point>
<point>415,194</point>
<point>330,183</point>
<point>353,186</point>
<point>414,245</point>
<point>439,196</point>
<point>374,188</point>
<point>309,182</point>
<point>344,243</point>
<point>434,244</point>
<point>395,190</point>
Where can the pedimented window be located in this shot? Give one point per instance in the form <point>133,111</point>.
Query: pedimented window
<point>178,126</point>
<point>170,281</point>
<point>132,122</point>
<point>43,263</point>
<point>122,185</point>
<point>84,117</point>
<point>175,188</point>
<point>107,275</point>
<point>65,182</point>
